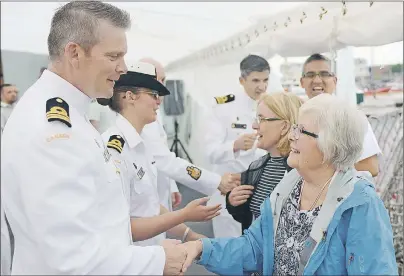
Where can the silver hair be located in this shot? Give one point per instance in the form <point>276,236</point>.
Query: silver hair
<point>78,22</point>
<point>342,129</point>
<point>253,63</point>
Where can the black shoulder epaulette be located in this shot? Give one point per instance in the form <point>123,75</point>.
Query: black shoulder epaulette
<point>58,110</point>
<point>225,99</point>
<point>116,142</point>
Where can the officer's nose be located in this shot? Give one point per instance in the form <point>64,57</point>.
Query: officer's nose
<point>262,87</point>
<point>122,68</point>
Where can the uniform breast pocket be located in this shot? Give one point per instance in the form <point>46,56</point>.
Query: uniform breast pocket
<point>139,182</point>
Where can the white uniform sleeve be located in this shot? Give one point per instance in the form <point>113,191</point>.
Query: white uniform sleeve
<point>173,186</point>
<point>63,213</point>
<point>178,168</point>
<point>94,113</point>
<point>5,246</point>
<point>217,149</point>
<point>370,145</point>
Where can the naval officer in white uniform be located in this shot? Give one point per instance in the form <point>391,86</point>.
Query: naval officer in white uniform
<point>171,168</point>
<point>136,99</point>
<point>230,140</point>
<point>62,193</point>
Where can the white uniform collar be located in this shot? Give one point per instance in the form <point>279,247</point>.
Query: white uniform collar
<point>245,99</point>
<point>3,104</point>
<point>65,90</point>
<point>128,131</point>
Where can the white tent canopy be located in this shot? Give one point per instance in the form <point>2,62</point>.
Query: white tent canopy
<point>300,32</point>
<point>164,30</point>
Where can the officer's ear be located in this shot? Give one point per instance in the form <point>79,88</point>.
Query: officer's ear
<point>73,53</point>
<point>241,80</point>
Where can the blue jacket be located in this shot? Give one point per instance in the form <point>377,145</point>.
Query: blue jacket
<point>358,240</point>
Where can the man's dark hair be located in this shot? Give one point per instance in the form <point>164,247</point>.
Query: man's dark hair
<point>253,63</point>
<point>78,22</point>
<point>316,57</point>
<point>4,85</point>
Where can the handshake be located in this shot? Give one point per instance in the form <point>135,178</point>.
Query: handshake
<point>179,256</point>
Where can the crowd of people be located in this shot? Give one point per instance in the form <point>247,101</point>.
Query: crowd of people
<point>88,180</point>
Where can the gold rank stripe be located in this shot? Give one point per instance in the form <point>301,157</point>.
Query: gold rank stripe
<point>50,115</point>
<point>112,145</point>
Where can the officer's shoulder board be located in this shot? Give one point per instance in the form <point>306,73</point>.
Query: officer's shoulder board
<point>58,110</point>
<point>116,142</point>
<point>225,99</point>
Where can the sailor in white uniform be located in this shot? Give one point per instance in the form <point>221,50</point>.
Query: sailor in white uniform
<point>173,169</point>
<point>230,140</point>
<point>61,190</point>
<point>136,100</point>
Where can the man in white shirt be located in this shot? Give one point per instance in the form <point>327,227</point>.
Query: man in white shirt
<point>317,78</point>
<point>230,141</point>
<point>8,98</point>
<point>172,168</point>
<point>61,191</point>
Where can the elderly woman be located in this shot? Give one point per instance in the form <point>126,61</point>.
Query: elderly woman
<point>323,218</point>
<point>276,113</point>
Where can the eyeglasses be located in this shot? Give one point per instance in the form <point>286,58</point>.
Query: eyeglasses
<point>260,119</point>
<point>321,74</point>
<point>296,130</point>
<point>155,95</point>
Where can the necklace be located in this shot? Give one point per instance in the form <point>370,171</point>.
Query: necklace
<point>318,195</point>
<point>291,240</point>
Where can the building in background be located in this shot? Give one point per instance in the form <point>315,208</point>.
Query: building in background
<point>22,68</point>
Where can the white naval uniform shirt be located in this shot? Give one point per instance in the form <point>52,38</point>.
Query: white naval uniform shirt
<point>62,192</point>
<point>370,145</point>
<point>223,125</point>
<point>103,115</point>
<point>166,186</point>
<point>171,167</point>
<point>140,176</point>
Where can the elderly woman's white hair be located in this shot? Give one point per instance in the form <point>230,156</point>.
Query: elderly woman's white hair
<point>341,127</point>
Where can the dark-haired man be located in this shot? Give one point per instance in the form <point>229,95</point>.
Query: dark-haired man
<point>9,94</point>
<point>229,137</point>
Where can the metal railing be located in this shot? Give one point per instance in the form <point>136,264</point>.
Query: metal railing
<point>388,129</point>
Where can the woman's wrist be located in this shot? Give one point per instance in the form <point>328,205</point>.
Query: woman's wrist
<point>193,236</point>
<point>199,245</point>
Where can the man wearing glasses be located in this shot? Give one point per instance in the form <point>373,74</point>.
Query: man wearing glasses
<point>316,79</point>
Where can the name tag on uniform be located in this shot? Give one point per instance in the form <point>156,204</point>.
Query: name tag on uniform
<point>107,155</point>
<point>243,126</point>
<point>140,173</point>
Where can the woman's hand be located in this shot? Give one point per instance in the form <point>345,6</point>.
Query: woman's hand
<point>197,210</point>
<point>240,194</point>
<point>194,250</point>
